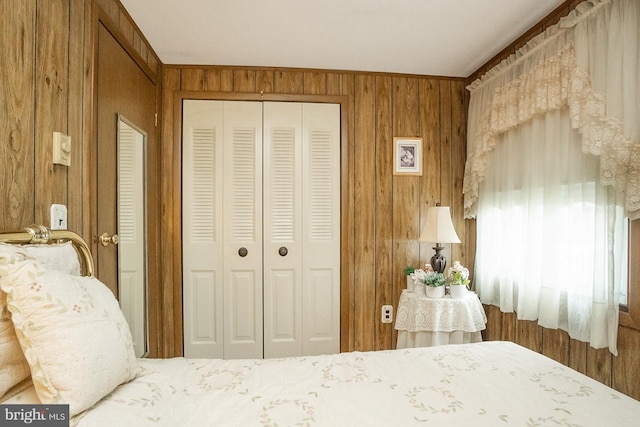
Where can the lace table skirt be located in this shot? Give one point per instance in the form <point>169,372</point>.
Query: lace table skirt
<point>424,322</point>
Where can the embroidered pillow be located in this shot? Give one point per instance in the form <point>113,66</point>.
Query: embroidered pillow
<point>60,257</point>
<point>13,366</point>
<point>72,333</point>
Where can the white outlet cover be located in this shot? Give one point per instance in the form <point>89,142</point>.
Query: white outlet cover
<point>387,314</point>
<point>58,217</point>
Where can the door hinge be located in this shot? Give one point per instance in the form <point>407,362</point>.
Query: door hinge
<point>156,118</point>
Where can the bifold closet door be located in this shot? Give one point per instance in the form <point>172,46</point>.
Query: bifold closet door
<point>222,229</point>
<point>261,230</point>
<point>301,229</point>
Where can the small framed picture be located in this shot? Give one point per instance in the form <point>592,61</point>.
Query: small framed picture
<point>407,156</point>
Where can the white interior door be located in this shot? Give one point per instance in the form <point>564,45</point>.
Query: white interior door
<point>242,231</point>
<point>268,194</point>
<point>282,229</point>
<point>321,228</point>
<point>202,237</point>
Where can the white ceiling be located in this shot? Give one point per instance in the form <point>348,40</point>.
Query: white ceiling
<point>430,37</point>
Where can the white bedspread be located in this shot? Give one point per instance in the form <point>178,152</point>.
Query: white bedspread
<point>481,384</point>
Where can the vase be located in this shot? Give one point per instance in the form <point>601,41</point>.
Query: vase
<point>410,284</point>
<point>419,289</point>
<point>458,291</point>
<point>434,291</point>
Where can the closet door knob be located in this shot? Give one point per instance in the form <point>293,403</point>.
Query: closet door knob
<point>243,252</point>
<point>283,251</point>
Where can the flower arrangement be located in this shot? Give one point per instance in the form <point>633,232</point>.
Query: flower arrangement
<point>457,274</point>
<point>408,270</point>
<point>428,277</point>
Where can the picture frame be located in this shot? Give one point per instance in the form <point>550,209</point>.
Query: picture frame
<point>407,156</point>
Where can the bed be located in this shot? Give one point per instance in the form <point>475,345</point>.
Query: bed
<point>81,356</point>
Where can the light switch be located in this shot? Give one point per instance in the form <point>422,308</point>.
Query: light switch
<point>61,149</point>
<point>58,217</point>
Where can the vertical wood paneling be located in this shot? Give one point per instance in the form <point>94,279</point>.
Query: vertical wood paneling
<point>347,291</point>
<point>578,356</point>
<point>406,206</point>
<point>365,172</point>
<point>627,365</point>
<point>52,91</point>
<point>289,82</point>
<point>170,210</point>
<point>315,83</point>
<point>264,81</point>
<point>17,113</point>
<point>334,84</point>
<point>75,126</point>
<point>458,157</point>
<point>600,364</point>
<point>446,163</point>
<point>244,80</point>
<point>556,345</point>
<point>508,327</point>
<point>193,79</point>
<point>431,153</point>
<point>219,80</point>
<point>529,335</point>
<point>384,260</point>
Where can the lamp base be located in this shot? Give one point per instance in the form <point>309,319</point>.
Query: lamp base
<point>438,261</point>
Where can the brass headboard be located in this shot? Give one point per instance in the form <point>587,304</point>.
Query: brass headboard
<point>39,234</point>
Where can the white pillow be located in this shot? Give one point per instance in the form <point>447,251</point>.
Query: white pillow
<point>13,366</point>
<point>60,257</point>
<point>72,332</point>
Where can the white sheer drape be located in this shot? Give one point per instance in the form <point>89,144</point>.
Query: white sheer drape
<point>553,163</point>
<point>544,229</point>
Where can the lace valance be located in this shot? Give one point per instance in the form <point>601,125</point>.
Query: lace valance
<point>555,82</point>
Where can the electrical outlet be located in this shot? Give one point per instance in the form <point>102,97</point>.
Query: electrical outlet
<point>387,313</point>
<point>58,217</point>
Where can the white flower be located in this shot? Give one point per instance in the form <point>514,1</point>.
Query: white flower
<point>457,274</point>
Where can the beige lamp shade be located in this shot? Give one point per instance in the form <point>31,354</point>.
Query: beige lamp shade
<point>438,226</point>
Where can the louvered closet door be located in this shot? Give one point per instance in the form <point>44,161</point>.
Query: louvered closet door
<point>261,229</point>
<point>242,219</point>
<point>321,228</point>
<point>202,236</point>
<point>301,229</point>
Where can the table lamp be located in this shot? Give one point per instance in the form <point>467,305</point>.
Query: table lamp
<point>438,228</point>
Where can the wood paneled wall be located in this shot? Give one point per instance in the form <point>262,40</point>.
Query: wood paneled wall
<point>621,372</point>
<point>382,212</point>
<point>45,86</point>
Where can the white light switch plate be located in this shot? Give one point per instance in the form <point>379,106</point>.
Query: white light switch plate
<point>58,217</point>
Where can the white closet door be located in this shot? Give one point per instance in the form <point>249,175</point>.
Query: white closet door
<point>202,237</point>
<point>282,229</point>
<point>242,212</point>
<point>261,229</point>
<point>321,225</point>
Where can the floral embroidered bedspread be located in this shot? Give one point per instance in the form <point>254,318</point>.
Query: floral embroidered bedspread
<point>481,384</point>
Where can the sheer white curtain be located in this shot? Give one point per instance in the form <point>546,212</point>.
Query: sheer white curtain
<point>553,165</point>
<point>545,226</point>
